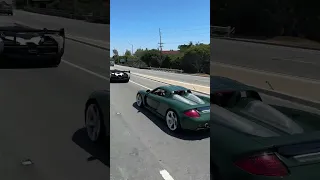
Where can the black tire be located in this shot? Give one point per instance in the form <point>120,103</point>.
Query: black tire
<point>101,138</point>
<point>127,81</point>
<point>141,105</point>
<point>178,121</point>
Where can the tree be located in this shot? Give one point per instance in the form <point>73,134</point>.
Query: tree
<point>197,59</point>
<point>151,58</point>
<point>127,53</point>
<point>139,52</point>
<point>115,52</point>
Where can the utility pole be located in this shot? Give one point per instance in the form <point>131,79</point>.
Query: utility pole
<point>160,45</point>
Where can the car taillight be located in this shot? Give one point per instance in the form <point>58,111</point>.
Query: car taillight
<point>266,164</point>
<point>192,113</point>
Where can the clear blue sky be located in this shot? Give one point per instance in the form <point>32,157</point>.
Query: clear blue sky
<point>137,22</point>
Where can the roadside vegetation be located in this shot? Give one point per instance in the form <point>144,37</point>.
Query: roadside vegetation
<point>269,18</point>
<point>191,58</point>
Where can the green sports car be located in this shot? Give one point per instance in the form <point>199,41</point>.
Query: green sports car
<point>254,140</point>
<point>178,106</point>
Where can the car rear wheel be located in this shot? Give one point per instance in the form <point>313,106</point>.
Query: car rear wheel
<point>172,121</point>
<point>139,100</point>
<point>94,123</point>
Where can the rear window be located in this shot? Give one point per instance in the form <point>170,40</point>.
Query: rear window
<point>187,97</point>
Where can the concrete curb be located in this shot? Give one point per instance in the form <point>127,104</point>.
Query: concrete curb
<point>267,43</point>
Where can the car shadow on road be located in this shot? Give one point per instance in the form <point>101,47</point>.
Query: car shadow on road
<point>184,134</point>
<point>23,65</point>
<point>118,82</point>
<point>99,151</point>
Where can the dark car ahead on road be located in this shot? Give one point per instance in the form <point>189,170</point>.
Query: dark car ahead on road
<point>6,8</point>
<point>119,76</point>
<point>20,43</point>
<point>254,140</point>
<point>180,108</point>
<point>97,115</point>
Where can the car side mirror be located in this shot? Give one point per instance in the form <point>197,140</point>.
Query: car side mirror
<point>148,91</point>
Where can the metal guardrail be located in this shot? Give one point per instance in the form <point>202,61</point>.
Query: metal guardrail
<point>222,31</point>
<point>90,17</point>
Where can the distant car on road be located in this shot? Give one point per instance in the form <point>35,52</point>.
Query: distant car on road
<point>180,108</point>
<point>97,115</point>
<point>119,76</point>
<point>20,43</point>
<point>253,140</point>
<point>6,8</point>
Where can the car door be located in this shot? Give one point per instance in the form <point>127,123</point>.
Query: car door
<point>151,102</point>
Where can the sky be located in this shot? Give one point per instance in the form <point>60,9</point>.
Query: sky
<point>136,23</point>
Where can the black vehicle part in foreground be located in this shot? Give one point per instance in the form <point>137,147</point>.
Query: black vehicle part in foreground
<point>119,76</point>
<point>27,45</point>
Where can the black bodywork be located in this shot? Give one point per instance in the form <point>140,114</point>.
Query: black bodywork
<point>19,43</point>
<point>119,76</point>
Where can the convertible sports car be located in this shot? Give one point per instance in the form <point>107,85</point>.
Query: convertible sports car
<point>20,43</point>
<point>97,115</point>
<point>119,76</point>
<point>178,106</point>
<point>253,140</point>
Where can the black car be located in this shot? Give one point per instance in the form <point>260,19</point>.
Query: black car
<point>20,43</point>
<point>119,76</point>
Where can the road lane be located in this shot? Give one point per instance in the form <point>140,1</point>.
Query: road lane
<point>284,60</point>
<point>184,156</point>
<point>42,112</point>
<point>204,81</point>
<point>73,27</point>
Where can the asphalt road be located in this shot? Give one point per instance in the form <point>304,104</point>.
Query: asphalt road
<point>145,143</point>
<point>73,27</point>
<point>284,60</point>
<point>42,118</point>
<point>204,81</point>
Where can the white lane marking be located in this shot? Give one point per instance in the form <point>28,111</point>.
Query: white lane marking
<point>140,84</point>
<point>85,70</point>
<point>165,175</point>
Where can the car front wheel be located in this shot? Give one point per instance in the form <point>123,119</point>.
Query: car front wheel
<point>139,100</point>
<point>94,123</point>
